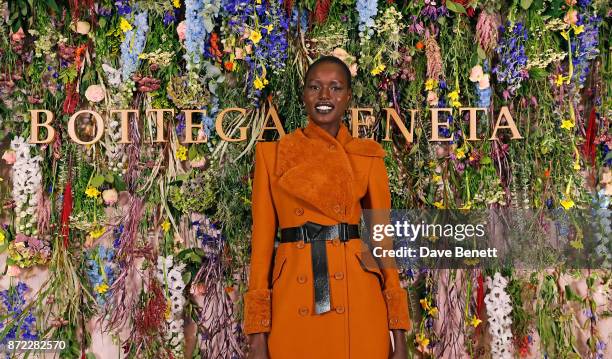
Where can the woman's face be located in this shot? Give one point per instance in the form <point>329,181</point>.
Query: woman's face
<point>326,94</point>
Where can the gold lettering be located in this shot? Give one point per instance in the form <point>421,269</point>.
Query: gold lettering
<point>505,113</point>
<point>125,115</point>
<point>219,125</point>
<point>392,114</point>
<point>435,125</point>
<point>159,122</point>
<point>355,123</point>
<point>35,125</point>
<point>99,126</point>
<point>473,112</point>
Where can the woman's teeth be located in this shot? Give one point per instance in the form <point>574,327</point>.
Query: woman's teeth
<point>323,109</point>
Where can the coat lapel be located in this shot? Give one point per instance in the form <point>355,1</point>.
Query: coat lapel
<point>315,167</point>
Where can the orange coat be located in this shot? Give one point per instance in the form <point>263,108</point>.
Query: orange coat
<point>311,176</point>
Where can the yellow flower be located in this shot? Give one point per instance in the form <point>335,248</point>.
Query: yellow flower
<point>425,304</point>
<point>92,192</point>
<point>578,29</point>
<point>102,288</point>
<point>456,104</point>
<point>567,203</point>
<point>422,341</point>
<point>165,225</point>
<point>468,205</point>
<point>454,96</point>
<point>565,34</point>
<point>125,25</point>
<point>97,233</point>
<point>260,82</point>
<point>378,69</point>
<point>255,36</point>
<point>577,244</point>
<point>432,164</point>
<point>475,321</point>
<point>176,3</point>
<point>430,84</point>
<point>577,165</point>
<point>2,238</point>
<point>436,178</point>
<point>433,311</point>
<point>270,27</point>
<point>559,80</point>
<point>439,204</point>
<point>567,124</point>
<point>460,153</point>
<point>181,153</point>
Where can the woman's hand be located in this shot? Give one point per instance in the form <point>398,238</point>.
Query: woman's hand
<point>399,341</point>
<point>258,346</point>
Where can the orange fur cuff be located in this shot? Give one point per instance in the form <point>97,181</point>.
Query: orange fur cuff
<point>257,311</point>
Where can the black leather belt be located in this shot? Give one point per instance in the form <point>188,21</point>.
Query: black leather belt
<point>316,235</point>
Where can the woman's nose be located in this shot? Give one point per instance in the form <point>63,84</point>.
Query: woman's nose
<point>324,94</point>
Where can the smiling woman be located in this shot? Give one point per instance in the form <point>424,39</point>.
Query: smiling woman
<point>320,294</point>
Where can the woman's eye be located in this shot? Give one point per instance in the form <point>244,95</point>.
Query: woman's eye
<point>313,87</point>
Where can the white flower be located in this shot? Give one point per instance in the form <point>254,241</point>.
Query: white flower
<point>499,310</point>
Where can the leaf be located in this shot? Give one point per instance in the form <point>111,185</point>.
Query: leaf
<point>193,152</point>
<point>537,73</point>
<point>485,160</point>
<point>481,53</point>
<point>186,277</point>
<point>97,181</point>
<point>455,7</point>
<point>53,5</point>
<point>109,178</point>
<point>525,4</point>
<point>570,295</point>
<point>119,184</point>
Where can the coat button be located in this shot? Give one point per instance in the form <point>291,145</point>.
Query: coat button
<point>265,322</point>
<point>340,309</point>
<point>337,208</point>
<point>393,321</point>
<point>339,275</point>
<point>303,311</point>
<point>332,147</point>
<point>301,279</point>
<point>299,211</point>
<point>300,244</point>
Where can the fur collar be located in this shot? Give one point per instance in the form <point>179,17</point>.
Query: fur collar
<point>315,167</point>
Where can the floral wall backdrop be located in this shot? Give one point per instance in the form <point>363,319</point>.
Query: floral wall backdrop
<point>141,249</point>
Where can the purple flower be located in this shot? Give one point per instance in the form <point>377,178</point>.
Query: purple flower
<point>169,17</point>
<point>123,7</point>
<point>512,59</point>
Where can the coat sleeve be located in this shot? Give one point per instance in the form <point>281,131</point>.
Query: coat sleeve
<point>257,300</point>
<point>378,196</point>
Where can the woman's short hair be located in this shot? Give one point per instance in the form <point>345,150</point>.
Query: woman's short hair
<point>334,60</point>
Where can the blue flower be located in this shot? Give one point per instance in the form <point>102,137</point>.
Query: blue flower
<point>367,10</point>
<point>512,59</point>
<point>133,45</point>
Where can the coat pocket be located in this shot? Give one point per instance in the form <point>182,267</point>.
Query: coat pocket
<point>368,264</point>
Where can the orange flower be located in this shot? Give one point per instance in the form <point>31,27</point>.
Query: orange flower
<point>420,46</point>
<point>547,173</point>
<point>229,66</point>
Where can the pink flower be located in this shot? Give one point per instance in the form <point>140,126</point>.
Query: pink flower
<point>239,53</point>
<point>571,17</point>
<point>82,27</point>
<point>198,162</point>
<point>9,156</point>
<point>110,197</point>
<point>180,30</point>
<point>476,73</point>
<point>95,93</point>
<point>347,59</point>
<point>18,36</point>
<point>13,271</point>
<point>432,98</point>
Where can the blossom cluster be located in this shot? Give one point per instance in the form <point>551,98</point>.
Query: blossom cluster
<point>170,273</point>
<point>12,302</point>
<point>101,271</point>
<point>512,59</point>
<point>133,44</point>
<point>499,309</point>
